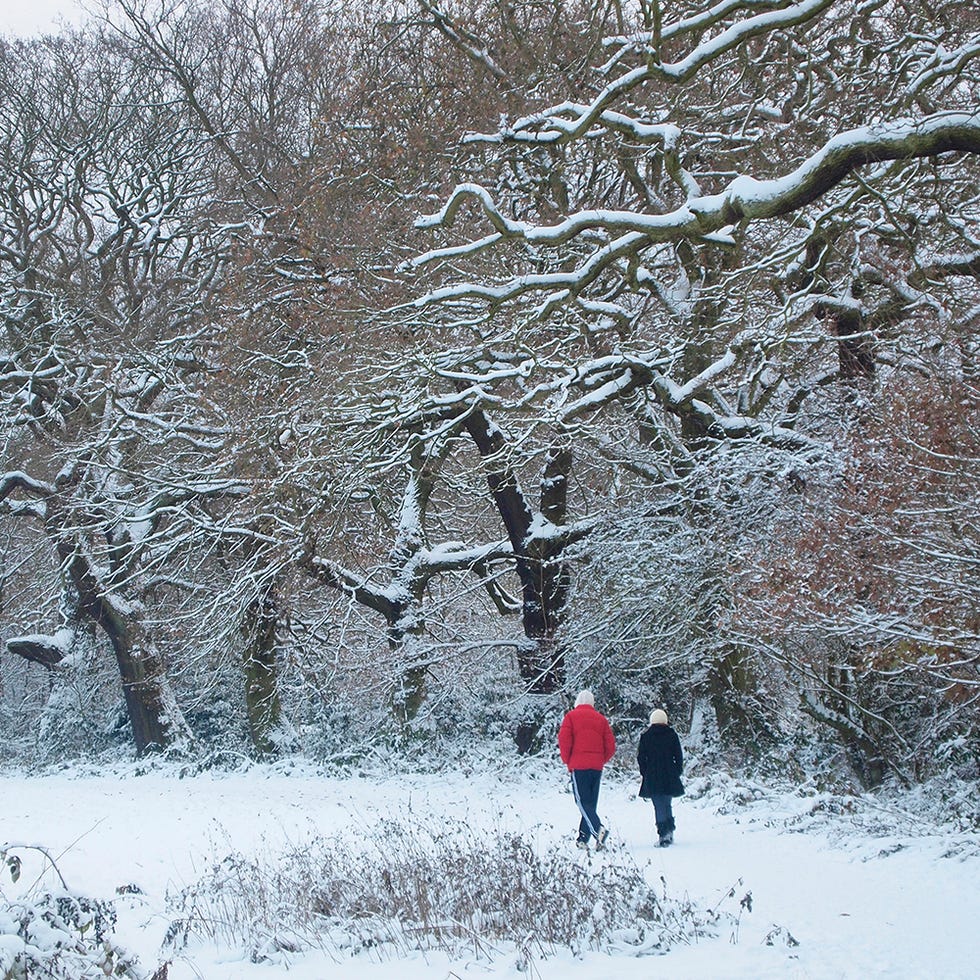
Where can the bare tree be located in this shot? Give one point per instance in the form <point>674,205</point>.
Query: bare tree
<point>657,223</point>
<point>107,268</point>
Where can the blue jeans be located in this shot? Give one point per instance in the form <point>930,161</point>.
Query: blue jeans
<point>585,787</point>
<point>665,815</point>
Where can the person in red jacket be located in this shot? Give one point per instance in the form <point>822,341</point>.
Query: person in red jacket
<point>586,743</point>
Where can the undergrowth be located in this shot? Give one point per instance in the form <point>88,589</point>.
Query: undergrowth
<point>57,934</point>
<point>401,887</point>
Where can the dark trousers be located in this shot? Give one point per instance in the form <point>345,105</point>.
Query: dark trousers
<point>585,786</point>
<point>665,815</point>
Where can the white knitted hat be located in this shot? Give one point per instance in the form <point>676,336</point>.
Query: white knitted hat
<point>658,717</point>
<point>585,697</point>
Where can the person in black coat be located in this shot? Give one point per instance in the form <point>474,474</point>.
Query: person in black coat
<point>661,763</point>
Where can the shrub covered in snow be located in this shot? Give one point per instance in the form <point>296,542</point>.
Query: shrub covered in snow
<point>402,888</point>
<point>59,935</point>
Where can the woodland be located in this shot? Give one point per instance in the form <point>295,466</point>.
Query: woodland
<point>381,373</point>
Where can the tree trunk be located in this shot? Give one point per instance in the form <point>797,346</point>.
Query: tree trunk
<point>263,705</point>
<point>544,591</point>
<point>544,577</point>
<point>156,719</point>
<point>863,752</point>
<point>732,689</point>
<point>412,672</point>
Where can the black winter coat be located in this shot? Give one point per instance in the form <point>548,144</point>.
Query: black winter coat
<point>661,762</point>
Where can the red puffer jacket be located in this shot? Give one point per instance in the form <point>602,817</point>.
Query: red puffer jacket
<point>585,739</point>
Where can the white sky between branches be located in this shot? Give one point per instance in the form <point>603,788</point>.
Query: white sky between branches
<point>24,18</point>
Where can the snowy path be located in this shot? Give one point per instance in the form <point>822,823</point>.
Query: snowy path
<point>858,906</point>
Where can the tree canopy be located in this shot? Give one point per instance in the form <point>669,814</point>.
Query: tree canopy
<point>370,371</point>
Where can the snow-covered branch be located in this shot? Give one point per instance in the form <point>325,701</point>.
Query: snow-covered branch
<point>474,47</point>
<point>18,480</point>
<point>744,199</point>
<point>944,266</point>
<point>565,122</point>
<point>375,597</point>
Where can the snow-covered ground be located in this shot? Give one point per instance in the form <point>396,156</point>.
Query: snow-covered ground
<point>870,892</point>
